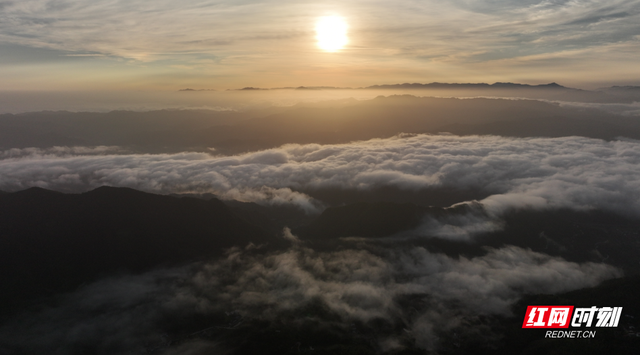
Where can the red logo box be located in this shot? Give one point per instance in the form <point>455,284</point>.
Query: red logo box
<point>547,317</point>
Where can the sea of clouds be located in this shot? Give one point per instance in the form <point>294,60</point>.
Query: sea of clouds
<point>357,282</point>
<point>570,172</point>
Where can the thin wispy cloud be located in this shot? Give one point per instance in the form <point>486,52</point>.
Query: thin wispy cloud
<point>278,38</point>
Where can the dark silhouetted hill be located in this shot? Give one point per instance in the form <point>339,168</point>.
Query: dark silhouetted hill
<point>586,236</point>
<point>52,242</point>
<point>377,219</point>
<point>270,218</point>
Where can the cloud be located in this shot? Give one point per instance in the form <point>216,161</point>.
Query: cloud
<point>461,227</point>
<point>571,172</point>
<point>154,28</point>
<point>162,44</point>
<point>58,152</point>
<point>629,110</point>
<point>150,30</point>
<point>131,313</point>
<point>599,18</point>
<point>271,196</point>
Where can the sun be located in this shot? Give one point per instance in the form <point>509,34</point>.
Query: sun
<point>331,33</point>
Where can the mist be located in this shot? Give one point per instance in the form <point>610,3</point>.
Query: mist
<point>364,284</point>
<point>235,99</point>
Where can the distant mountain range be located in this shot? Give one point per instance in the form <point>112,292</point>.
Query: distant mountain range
<point>437,85</point>
<point>339,121</point>
<point>433,85</point>
<point>550,91</point>
<point>468,85</point>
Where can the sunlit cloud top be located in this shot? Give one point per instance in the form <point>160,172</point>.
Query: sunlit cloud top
<point>224,43</point>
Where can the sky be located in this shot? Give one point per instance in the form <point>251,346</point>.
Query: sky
<point>221,44</point>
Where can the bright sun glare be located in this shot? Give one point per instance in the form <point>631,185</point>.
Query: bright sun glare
<point>331,33</point>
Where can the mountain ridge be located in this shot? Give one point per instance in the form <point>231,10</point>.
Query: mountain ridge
<point>53,242</point>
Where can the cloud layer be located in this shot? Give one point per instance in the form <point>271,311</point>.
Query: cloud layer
<point>572,172</point>
<point>127,314</point>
